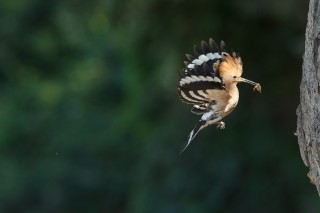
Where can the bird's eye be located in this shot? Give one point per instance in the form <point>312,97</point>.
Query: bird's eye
<point>234,76</point>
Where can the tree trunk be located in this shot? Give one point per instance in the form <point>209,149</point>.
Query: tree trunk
<point>308,112</point>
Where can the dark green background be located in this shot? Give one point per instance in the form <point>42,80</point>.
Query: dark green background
<point>90,121</point>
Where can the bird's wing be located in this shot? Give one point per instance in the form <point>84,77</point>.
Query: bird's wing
<point>199,81</point>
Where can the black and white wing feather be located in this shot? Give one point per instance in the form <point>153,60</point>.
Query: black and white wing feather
<point>200,76</point>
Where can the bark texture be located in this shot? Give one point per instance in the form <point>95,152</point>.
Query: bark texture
<point>308,112</point>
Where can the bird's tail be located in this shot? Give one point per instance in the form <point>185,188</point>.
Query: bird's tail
<point>200,125</point>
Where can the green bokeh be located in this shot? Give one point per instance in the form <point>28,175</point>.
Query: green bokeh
<point>90,121</point>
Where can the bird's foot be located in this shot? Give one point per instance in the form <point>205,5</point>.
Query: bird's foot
<point>221,125</point>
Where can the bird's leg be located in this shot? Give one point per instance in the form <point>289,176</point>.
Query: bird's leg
<point>221,125</point>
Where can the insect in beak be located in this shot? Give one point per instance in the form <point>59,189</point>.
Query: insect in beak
<point>256,85</point>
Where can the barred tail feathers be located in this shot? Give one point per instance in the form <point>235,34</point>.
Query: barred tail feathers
<point>200,125</point>
<point>208,118</point>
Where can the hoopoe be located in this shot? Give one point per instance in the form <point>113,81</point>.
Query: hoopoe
<point>209,82</point>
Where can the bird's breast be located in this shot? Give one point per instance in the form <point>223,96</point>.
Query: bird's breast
<point>233,99</point>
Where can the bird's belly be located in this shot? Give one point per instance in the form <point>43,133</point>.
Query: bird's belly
<point>230,107</point>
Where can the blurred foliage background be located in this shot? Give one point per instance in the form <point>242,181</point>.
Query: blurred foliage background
<point>90,121</point>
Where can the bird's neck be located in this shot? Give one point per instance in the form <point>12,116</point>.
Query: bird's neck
<point>234,98</point>
<point>233,91</point>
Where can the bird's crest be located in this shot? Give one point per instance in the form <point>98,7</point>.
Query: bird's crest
<point>231,63</point>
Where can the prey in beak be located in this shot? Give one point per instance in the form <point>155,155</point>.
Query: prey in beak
<point>256,87</point>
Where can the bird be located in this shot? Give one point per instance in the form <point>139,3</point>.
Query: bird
<point>209,83</point>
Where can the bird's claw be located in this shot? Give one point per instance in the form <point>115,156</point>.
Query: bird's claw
<point>257,87</point>
<point>221,125</point>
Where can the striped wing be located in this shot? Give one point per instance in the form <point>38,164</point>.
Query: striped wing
<point>199,81</point>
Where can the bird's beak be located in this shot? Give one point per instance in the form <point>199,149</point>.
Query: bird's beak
<point>246,81</point>
<point>256,85</point>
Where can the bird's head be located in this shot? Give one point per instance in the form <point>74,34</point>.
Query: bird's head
<point>230,70</point>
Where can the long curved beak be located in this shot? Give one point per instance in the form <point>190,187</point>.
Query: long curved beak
<point>246,81</point>
<point>257,86</point>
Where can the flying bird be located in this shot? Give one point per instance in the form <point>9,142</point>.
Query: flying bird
<point>209,82</point>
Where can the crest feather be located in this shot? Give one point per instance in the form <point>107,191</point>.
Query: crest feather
<point>231,64</point>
